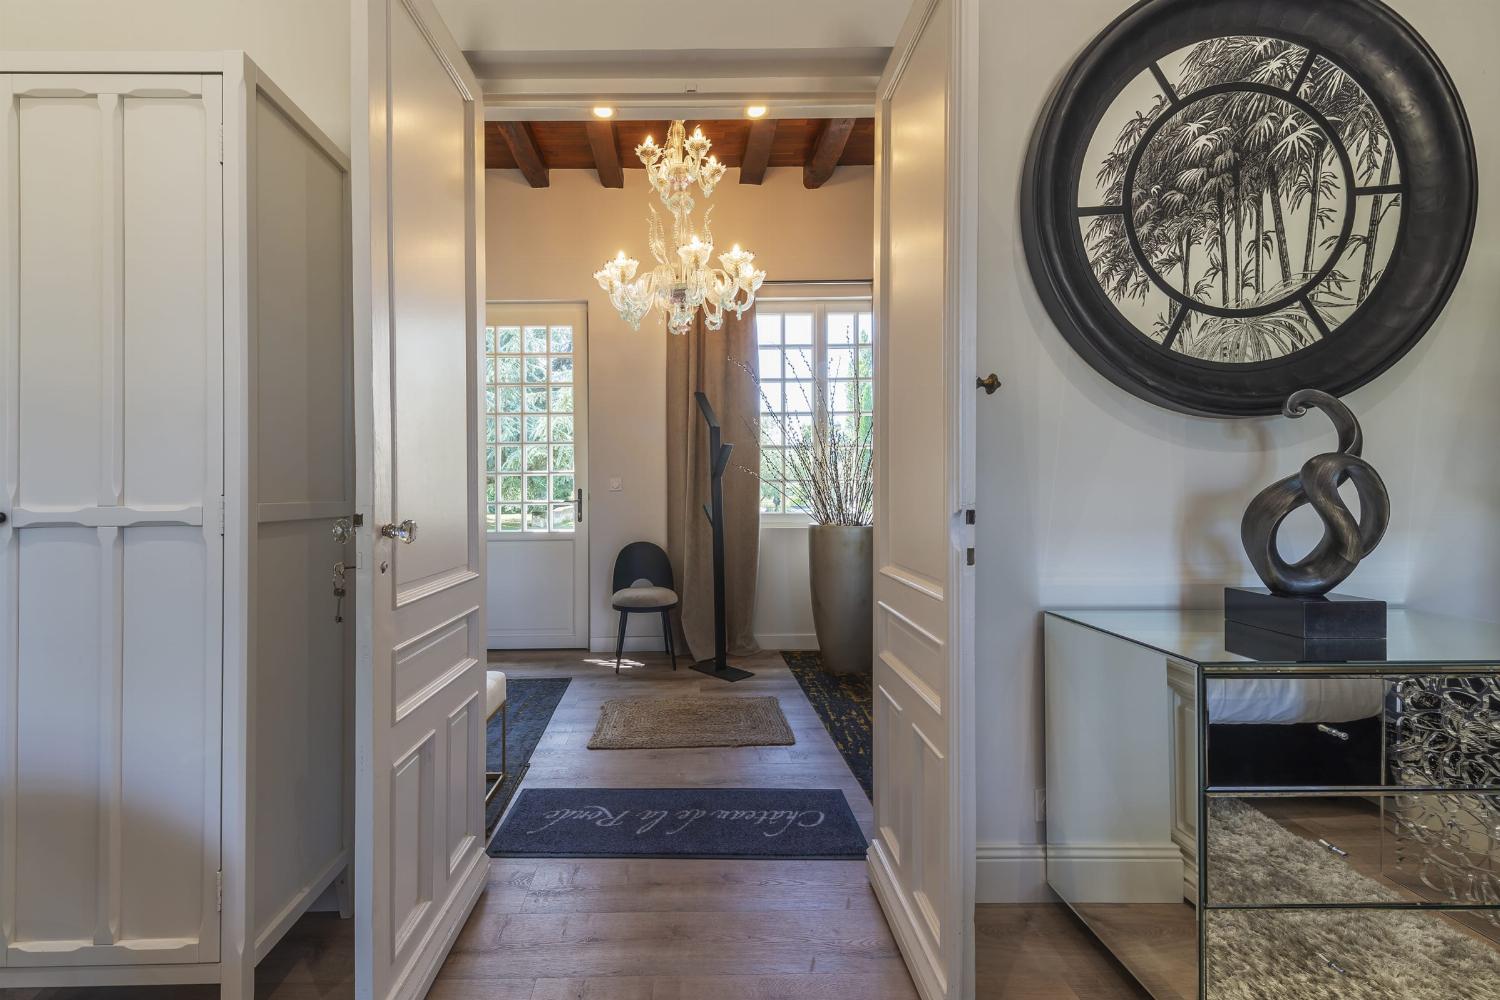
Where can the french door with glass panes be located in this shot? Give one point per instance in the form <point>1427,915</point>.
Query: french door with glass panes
<point>816,371</point>
<point>535,462</point>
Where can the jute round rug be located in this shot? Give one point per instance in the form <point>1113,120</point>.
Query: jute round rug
<point>660,723</point>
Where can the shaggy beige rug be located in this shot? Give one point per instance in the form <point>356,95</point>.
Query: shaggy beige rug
<point>1359,954</point>
<point>657,723</point>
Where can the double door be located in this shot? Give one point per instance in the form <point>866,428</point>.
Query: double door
<point>111,554</point>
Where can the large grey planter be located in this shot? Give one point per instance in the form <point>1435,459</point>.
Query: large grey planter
<point>841,567</point>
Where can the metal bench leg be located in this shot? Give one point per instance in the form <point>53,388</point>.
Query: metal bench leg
<point>495,779</point>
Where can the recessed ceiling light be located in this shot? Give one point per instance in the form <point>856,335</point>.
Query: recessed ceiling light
<point>604,112</point>
<point>756,111</point>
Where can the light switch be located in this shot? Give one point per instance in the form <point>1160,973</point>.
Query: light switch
<point>616,484</point>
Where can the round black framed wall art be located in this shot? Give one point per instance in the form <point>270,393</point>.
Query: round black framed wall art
<point>1230,200</point>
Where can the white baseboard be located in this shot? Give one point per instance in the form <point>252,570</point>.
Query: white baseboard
<point>1011,873</point>
<point>1119,873</point>
<point>788,641</point>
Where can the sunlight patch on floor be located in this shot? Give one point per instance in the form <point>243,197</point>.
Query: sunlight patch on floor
<point>625,664</point>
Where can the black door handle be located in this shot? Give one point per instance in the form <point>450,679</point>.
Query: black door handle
<point>4,517</point>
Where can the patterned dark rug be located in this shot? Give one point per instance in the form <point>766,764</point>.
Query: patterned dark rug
<point>845,703</point>
<point>529,704</point>
<point>680,823</point>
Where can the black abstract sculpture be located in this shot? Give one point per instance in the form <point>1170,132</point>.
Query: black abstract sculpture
<point>1345,540</point>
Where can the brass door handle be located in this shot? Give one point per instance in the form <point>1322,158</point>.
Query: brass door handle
<point>405,532</point>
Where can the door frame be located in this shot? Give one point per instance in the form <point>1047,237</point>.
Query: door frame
<point>582,594</point>
<point>950,973</point>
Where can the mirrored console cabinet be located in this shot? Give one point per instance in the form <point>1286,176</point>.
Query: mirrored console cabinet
<point>1236,823</point>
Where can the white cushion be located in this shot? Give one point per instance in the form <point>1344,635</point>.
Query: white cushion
<point>494,692</point>
<point>650,598</point>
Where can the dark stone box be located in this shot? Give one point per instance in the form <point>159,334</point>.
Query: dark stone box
<point>1335,616</point>
<point>1262,644</point>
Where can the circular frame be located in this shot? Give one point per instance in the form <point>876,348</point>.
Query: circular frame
<point>1426,120</point>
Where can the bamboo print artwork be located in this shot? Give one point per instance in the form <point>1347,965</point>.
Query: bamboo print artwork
<point>1264,195</point>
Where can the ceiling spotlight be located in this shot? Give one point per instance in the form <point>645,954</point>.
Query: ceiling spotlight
<point>756,111</point>
<point>604,112</point>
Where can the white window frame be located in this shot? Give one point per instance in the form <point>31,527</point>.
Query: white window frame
<point>820,299</point>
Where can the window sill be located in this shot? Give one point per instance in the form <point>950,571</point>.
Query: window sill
<point>785,521</point>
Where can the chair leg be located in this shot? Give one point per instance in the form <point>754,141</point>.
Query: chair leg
<point>620,641</point>
<point>666,631</point>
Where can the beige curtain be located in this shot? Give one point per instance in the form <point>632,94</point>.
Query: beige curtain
<point>709,361</point>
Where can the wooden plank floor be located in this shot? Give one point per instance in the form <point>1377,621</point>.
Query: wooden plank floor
<point>1043,952</point>
<point>681,930</point>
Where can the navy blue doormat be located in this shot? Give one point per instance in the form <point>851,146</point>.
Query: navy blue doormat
<point>814,823</point>
<point>529,704</point>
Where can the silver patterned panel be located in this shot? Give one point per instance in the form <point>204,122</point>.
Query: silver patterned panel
<point>1444,731</point>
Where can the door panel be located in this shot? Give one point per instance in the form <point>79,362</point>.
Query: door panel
<point>418,179</point>
<point>432,348</point>
<point>922,855</point>
<point>111,563</point>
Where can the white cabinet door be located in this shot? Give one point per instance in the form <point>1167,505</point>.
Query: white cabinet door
<point>111,474</point>
<point>418,182</point>
<point>922,856</point>
<point>536,461</point>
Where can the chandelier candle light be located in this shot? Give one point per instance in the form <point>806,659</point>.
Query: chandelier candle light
<point>682,282</point>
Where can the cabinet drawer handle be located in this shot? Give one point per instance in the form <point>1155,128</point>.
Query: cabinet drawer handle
<point>1336,733</point>
<point>1333,848</point>
<point>1336,967</point>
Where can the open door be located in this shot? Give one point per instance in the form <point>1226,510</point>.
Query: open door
<point>417,179</point>
<point>922,856</point>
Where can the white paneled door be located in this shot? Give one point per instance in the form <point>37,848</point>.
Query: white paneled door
<point>535,459</point>
<point>111,554</point>
<point>418,186</point>
<point>922,855</point>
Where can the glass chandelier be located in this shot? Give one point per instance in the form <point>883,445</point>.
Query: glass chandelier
<point>682,282</point>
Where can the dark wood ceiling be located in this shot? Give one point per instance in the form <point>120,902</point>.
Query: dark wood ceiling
<point>818,145</point>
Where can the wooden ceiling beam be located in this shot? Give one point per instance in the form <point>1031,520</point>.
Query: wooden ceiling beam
<point>605,144</point>
<point>521,139</point>
<point>832,136</point>
<point>757,151</point>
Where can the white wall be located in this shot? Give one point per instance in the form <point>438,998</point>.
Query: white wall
<point>546,243</point>
<point>1089,496</point>
<point>303,45</point>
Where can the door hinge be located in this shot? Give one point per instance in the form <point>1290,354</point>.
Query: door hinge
<point>221,144</point>
<point>221,517</point>
<point>219,880</point>
<point>969,556</point>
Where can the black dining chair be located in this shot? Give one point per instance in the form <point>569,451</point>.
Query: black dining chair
<point>643,584</point>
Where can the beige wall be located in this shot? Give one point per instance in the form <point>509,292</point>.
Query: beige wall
<point>546,243</point>
<point>303,45</point>
<point>1090,496</point>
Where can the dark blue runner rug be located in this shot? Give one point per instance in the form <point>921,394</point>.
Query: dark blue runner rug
<point>680,823</point>
<point>529,704</point>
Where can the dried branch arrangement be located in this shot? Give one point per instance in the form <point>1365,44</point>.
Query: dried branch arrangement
<point>829,476</point>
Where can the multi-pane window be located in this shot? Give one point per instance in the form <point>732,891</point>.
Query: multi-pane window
<point>529,433</point>
<point>816,367</point>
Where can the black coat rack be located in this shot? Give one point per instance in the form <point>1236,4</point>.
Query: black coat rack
<point>718,463</point>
